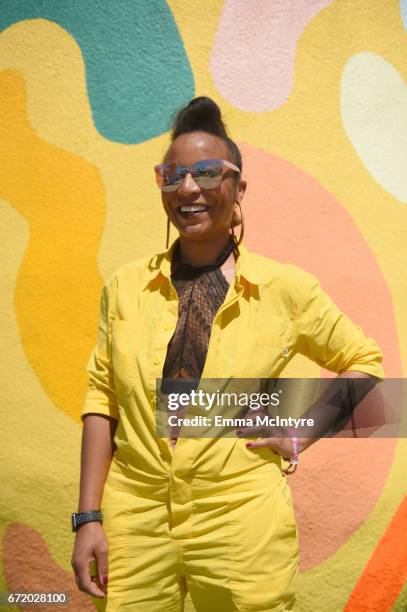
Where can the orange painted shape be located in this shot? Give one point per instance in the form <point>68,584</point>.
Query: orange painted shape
<point>29,568</point>
<point>386,571</point>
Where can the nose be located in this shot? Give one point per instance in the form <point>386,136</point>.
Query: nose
<point>188,185</point>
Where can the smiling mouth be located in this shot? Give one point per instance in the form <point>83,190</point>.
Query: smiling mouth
<point>191,210</point>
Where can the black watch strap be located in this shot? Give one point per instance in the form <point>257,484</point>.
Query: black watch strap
<point>80,518</point>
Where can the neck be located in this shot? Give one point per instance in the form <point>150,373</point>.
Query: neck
<point>197,253</point>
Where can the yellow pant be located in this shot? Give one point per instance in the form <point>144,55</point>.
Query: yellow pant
<point>232,545</point>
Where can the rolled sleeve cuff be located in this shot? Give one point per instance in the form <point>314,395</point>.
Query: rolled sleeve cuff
<point>374,369</point>
<point>97,402</point>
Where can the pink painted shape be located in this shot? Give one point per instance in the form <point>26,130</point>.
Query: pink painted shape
<point>252,61</point>
<point>290,217</point>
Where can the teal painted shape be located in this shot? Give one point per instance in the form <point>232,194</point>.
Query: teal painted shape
<point>403,8</point>
<point>137,72</point>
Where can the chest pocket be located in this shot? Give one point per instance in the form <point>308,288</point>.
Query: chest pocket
<point>264,355</point>
<point>272,340</point>
<point>125,340</point>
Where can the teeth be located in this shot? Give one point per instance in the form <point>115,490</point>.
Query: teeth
<point>192,208</point>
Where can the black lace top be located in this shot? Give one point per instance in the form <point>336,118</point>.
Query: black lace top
<point>201,291</point>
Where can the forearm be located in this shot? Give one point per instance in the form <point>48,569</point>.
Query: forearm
<point>324,416</point>
<point>96,455</point>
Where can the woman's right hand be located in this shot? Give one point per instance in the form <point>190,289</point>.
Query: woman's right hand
<point>91,544</point>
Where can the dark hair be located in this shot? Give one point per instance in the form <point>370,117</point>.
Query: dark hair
<point>203,114</point>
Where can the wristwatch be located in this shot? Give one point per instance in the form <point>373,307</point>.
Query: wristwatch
<point>80,518</point>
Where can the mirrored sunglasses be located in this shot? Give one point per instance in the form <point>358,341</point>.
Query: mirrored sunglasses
<point>207,173</point>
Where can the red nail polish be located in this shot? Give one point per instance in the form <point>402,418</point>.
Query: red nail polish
<point>104,580</point>
<point>248,445</point>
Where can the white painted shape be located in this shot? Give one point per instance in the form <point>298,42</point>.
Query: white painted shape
<point>374,113</point>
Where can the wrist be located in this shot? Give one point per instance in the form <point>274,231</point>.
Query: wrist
<point>287,448</point>
<point>295,452</point>
<point>79,519</point>
<point>91,527</point>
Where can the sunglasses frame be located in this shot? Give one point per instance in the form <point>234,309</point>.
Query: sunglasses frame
<point>226,165</point>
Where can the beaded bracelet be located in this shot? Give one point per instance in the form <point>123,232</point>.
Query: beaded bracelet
<point>294,459</point>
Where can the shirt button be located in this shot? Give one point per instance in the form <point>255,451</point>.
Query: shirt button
<point>156,361</point>
<point>167,326</point>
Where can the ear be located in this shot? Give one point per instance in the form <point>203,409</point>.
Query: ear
<point>236,219</point>
<point>239,193</point>
<point>240,189</point>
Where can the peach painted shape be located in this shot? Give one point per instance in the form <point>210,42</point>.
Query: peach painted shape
<point>290,217</point>
<point>28,567</point>
<point>253,56</point>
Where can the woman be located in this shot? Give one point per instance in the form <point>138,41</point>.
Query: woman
<point>211,516</point>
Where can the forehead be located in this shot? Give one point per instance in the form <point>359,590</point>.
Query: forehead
<point>194,146</point>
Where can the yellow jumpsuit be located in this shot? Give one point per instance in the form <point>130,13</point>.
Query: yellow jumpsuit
<point>209,516</point>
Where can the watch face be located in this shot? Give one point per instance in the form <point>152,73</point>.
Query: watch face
<point>74,525</point>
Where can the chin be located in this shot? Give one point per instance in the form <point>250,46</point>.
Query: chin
<point>194,231</point>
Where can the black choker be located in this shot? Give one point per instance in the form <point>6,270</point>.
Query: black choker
<point>231,245</point>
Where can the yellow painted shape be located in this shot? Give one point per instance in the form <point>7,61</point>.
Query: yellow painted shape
<point>57,293</point>
<point>40,446</point>
<point>197,23</point>
<point>307,131</point>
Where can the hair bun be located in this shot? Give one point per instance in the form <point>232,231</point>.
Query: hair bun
<point>201,113</point>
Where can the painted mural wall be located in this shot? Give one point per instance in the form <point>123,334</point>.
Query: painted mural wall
<point>314,92</point>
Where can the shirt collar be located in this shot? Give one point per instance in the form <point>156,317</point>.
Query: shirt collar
<point>252,266</point>
<point>249,265</point>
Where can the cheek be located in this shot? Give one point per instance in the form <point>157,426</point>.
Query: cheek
<point>227,204</point>
<point>166,201</point>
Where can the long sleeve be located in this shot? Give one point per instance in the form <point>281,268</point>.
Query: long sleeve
<point>101,395</point>
<point>328,337</point>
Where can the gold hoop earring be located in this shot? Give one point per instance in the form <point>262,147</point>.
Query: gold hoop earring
<point>168,233</point>
<point>238,240</point>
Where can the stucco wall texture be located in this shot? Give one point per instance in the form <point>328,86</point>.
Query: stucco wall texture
<point>314,92</point>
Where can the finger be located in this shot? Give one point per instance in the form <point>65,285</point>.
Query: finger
<point>259,443</point>
<point>85,582</point>
<point>76,579</point>
<point>102,564</point>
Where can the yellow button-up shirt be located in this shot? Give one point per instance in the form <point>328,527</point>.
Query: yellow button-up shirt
<point>271,312</point>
